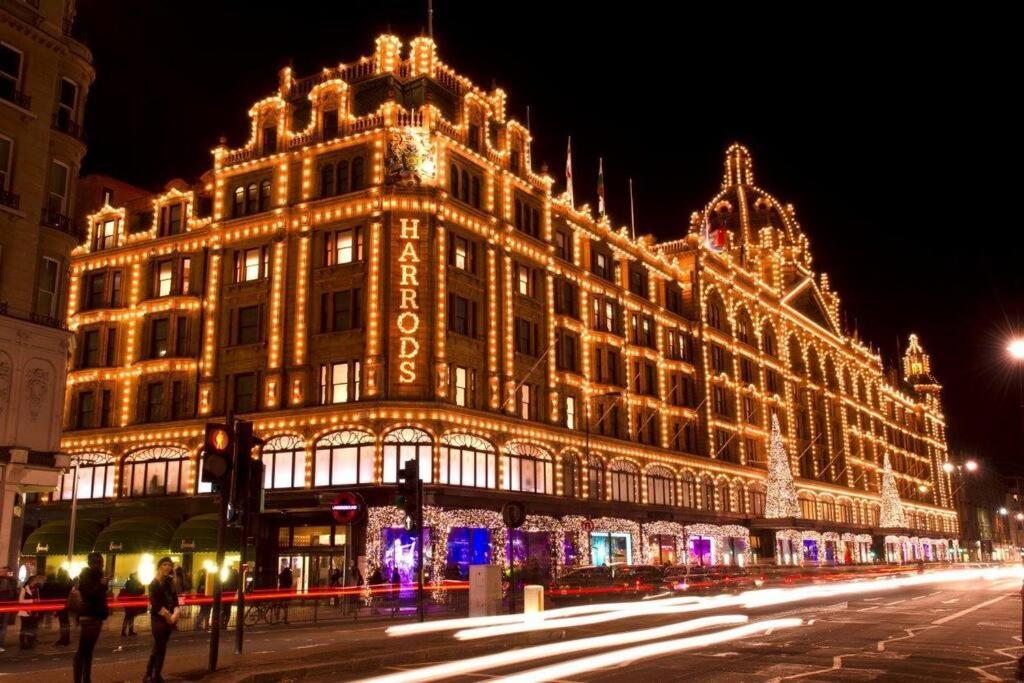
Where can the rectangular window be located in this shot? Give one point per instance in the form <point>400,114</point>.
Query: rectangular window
<point>270,139</point>
<point>10,72</point>
<point>115,289</point>
<point>462,315</point>
<point>570,412</point>
<point>177,400</point>
<point>563,245</point>
<point>49,280</point>
<point>106,408</point>
<point>86,406</point>
<point>252,264</point>
<point>248,330</point>
<point>526,337</point>
<point>329,124</point>
<point>159,332</point>
<point>106,233</point>
<point>164,278</point>
<point>96,290</point>
<point>91,349</point>
<point>6,160</point>
<point>181,337</point>
<point>463,386</point>
<point>245,393</point>
<point>523,281</point>
<point>67,104</point>
<point>525,402</point>
<point>343,246</point>
<point>57,199</point>
<point>609,316</point>
<point>154,402</point>
<point>340,382</point>
<point>111,354</point>
<point>170,220</point>
<point>461,254</point>
<point>345,311</point>
<point>717,358</point>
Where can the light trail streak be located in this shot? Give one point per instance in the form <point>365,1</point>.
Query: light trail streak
<point>639,609</point>
<point>522,656</point>
<point>575,610</point>
<point>572,667</point>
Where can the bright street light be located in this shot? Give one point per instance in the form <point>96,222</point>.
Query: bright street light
<point>1016,348</point>
<point>1002,511</point>
<point>947,467</point>
<point>1020,516</point>
<point>971,465</point>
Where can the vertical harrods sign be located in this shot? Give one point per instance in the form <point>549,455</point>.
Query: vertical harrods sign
<point>410,308</point>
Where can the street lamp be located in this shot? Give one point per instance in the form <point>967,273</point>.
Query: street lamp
<point>971,466</point>
<point>1016,348</point>
<point>1003,511</point>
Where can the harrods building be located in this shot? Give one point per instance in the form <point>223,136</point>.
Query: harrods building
<point>381,273</point>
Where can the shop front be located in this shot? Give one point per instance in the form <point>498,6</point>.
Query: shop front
<point>712,544</point>
<point>314,553</point>
<point>46,548</point>
<point>195,540</point>
<point>134,545</point>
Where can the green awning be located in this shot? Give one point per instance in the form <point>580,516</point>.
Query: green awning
<point>199,535</point>
<point>136,535</point>
<point>52,538</point>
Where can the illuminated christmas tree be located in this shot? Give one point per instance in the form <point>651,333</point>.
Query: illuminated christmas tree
<point>891,516</point>
<point>781,497</point>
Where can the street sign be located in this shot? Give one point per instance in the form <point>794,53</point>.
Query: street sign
<point>347,507</point>
<point>514,514</point>
<point>587,526</point>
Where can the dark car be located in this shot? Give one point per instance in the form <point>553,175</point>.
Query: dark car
<point>581,581</point>
<point>701,579</point>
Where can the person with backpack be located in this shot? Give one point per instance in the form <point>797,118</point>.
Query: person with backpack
<point>89,600</point>
<point>132,588</point>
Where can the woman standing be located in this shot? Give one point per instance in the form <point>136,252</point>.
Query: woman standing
<point>29,619</point>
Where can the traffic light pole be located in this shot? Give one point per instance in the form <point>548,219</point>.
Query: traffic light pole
<point>222,529</point>
<point>242,571</point>
<point>419,531</point>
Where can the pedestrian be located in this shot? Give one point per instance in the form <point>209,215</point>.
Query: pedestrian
<point>92,591</point>
<point>28,595</point>
<point>357,576</point>
<point>60,591</point>
<point>182,584</point>
<point>133,588</point>
<point>230,586</point>
<point>284,583</point>
<point>8,593</point>
<point>163,617</point>
<point>203,620</point>
<point>396,590</point>
<point>334,581</point>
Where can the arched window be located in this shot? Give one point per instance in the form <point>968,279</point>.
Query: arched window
<point>475,194</point>
<point>595,478</point>
<point>344,457</point>
<point>757,500</point>
<point>744,327</point>
<point>831,378</point>
<point>724,499</point>
<point>844,512</point>
<point>796,357</point>
<point>716,312</point>
<point>661,486</point>
<point>738,497</point>
<point>238,205</point>
<point>453,180</point>
<point>405,444</point>
<point>828,509</point>
<point>815,366</point>
<point>625,481</point>
<point>572,482</point>
<point>357,174</point>
<point>252,198</point>
<point>265,196</point>
<point>160,471</point>
<point>95,477</point>
<point>862,391</point>
<point>689,491</point>
<point>808,507</point>
<point>768,344</point>
<point>284,463</point>
<point>528,468</point>
<point>465,187</point>
<point>708,494</point>
<point>467,460</point>
<point>342,179</point>
<point>327,180</point>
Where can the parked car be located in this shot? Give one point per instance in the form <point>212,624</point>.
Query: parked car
<point>702,579</point>
<point>608,581</point>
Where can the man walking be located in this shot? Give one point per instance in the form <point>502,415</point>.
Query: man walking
<point>163,616</point>
<point>285,582</point>
<point>92,587</point>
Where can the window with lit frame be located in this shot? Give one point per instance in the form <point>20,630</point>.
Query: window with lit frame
<point>403,445</point>
<point>284,463</point>
<point>344,457</point>
<point>661,487</point>
<point>527,468</point>
<point>340,382</point>
<point>162,471</point>
<point>95,472</point>
<point>467,460</point>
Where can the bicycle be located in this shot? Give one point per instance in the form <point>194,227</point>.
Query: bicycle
<point>266,611</point>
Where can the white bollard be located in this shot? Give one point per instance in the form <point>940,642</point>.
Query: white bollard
<point>533,602</point>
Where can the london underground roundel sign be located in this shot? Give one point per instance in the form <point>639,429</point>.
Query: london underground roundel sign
<point>347,507</point>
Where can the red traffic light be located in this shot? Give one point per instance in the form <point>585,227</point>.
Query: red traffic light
<point>218,439</point>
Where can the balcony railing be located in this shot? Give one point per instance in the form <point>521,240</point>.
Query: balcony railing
<point>36,318</point>
<point>17,97</point>
<point>66,124</point>
<point>59,221</point>
<point>10,199</point>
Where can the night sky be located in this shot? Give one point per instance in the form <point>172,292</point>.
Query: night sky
<point>895,136</point>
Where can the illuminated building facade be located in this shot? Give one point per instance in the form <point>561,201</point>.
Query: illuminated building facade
<point>379,274</point>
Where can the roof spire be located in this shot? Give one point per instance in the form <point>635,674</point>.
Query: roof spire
<point>739,167</point>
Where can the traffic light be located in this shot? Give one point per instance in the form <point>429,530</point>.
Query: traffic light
<point>408,494</point>
<point>247,492</point>
<point>218,453</point>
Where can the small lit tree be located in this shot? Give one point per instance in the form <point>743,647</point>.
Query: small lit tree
<point>891,516</point>
<point>781,495</point>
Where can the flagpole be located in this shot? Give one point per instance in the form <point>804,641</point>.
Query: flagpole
<point>568,175</point>
<point>600,187</point>
<point>528,118</point>
<point>632,213</point>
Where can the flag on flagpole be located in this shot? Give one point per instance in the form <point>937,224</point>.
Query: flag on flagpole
<point>632,212</point>
<point>600,186</point>
<point>568,174</point>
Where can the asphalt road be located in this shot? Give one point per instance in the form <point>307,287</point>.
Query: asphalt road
<point>943,631</point>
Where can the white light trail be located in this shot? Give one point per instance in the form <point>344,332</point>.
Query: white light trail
<point>573,667</point>
<point>522,656</point>
<point>575,610</point>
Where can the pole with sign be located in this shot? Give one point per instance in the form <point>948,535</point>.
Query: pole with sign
<point>514,514</point>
